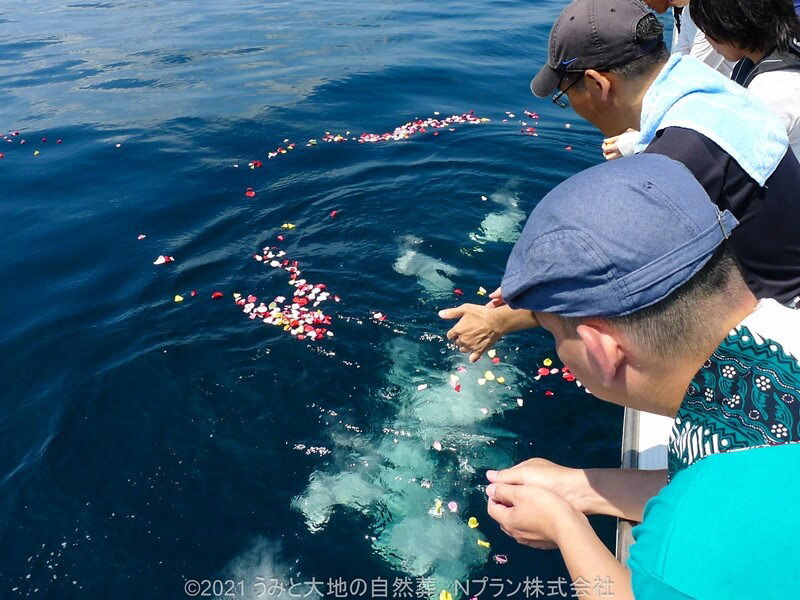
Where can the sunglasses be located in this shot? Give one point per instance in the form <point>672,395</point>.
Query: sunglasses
<point>560,98</point>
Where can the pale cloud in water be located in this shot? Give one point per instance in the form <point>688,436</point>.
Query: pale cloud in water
<point>432,274</point>
<point>393,476</point>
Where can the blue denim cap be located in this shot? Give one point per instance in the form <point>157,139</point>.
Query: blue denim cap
<point>614,239</point>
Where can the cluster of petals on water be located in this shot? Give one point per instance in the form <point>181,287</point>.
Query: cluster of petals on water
<point>405,131</point>
<point>301,316</point>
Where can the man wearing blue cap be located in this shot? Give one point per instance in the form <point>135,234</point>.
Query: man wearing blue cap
<point>607,58</point>
<point>626,265</point>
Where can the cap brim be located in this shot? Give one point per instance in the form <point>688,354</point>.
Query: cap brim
<point>545,83</point>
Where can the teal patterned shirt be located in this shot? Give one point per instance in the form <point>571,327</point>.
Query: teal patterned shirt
<point>747,394</point>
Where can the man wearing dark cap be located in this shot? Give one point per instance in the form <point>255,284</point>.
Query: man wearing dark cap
<point>607,58</point>
<point>659,318</point>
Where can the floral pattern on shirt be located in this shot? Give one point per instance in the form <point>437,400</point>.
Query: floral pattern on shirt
<point>746,394</point>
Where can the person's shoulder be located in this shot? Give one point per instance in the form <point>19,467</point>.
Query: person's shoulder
<point>773,80</point>
<point>706,532</point>
<point>784,85</point>
<point>775,325</point>
<point>781,91</point>
<point>678,139</point>
<point>705,159</point>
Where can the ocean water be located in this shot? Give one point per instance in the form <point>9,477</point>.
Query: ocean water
<point>148,443</point>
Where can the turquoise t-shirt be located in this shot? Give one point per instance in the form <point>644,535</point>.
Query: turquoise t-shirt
<point>726,528</point>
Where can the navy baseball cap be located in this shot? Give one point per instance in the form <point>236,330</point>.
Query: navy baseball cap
<point>593,34</point>
<point>614,239</point>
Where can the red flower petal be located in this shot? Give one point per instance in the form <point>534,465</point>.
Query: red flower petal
<point>217,295</point>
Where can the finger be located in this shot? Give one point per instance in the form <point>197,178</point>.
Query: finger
<point>497,511</point>
<point>453,334</point>
<point>475,356</point>
<point>498,293</point>
<point>452,313</point>
<point>503,493</point>
<point>512,476</point>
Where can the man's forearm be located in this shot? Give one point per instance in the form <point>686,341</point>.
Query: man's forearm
<point>588,559</point>
<point>511,320</point>
<point>621,493</point>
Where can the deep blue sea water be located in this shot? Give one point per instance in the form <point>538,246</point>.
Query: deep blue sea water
<point>146,442</point>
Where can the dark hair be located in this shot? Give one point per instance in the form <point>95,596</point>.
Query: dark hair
<point>649,32</point>
<point>678,324</point>
<point>754,25</point>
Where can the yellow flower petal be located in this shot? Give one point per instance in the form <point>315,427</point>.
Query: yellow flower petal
<point>472,522</point>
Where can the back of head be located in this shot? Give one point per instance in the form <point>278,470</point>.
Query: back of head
<point>682,324</point>
<point>649,33</point>
<point>618,36</point>
<point>751,25</point>
<point>637,242</point>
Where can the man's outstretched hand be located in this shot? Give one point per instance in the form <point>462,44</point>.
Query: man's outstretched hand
<point>477,330</point>
<point>479,327</point>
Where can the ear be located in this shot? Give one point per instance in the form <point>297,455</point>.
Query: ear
<point>603,352</point>
<point>598,84</point>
